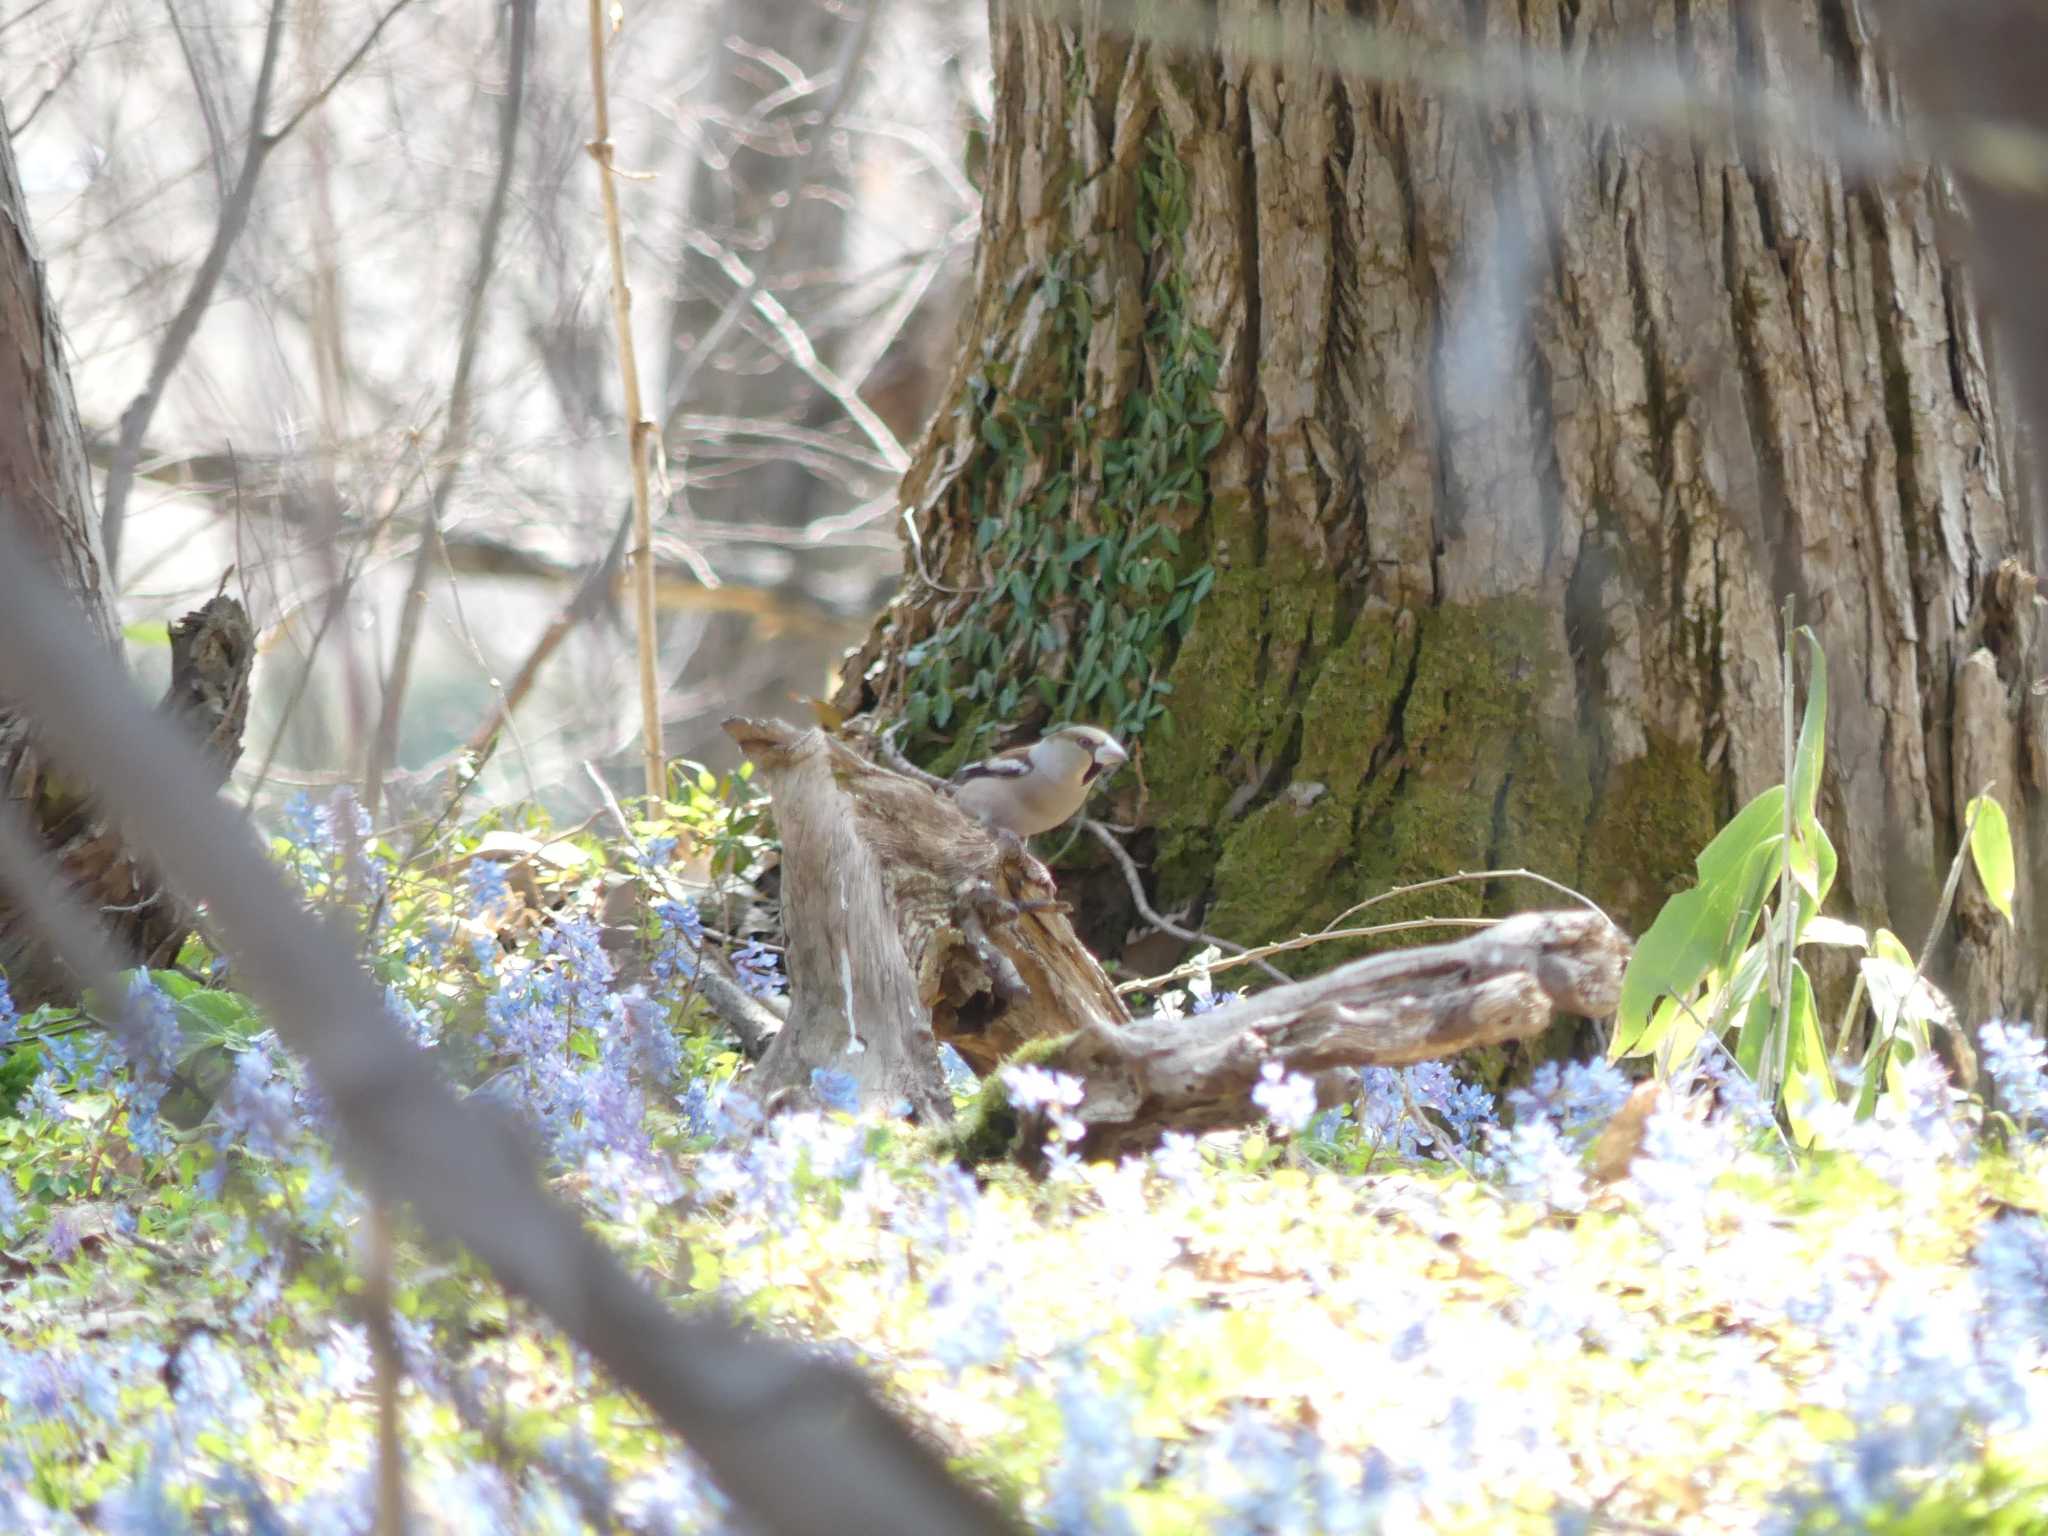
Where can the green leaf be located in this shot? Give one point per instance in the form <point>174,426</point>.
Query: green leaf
<point>152,633</point>
<point>1809,1082</point>
<point>1707,925</point>
<point>218,1018</point>
<point>1807,760</point>
<point>1991,851</point>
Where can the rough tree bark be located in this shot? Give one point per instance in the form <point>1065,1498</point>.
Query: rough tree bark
<point>47,519</point>
<point>1449,462</point>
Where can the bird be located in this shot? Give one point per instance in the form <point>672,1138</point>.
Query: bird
<point>1033,788</point>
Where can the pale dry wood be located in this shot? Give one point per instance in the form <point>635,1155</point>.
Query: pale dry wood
<point>904,931</point>
<point>908,924</point>
<point>642,439</point>
<point>1393,1010</point>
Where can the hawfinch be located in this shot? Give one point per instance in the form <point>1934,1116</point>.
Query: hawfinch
<point>1032,789</point>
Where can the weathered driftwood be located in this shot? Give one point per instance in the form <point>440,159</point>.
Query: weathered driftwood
<point>1391,1010</point>
<point>909,924</point>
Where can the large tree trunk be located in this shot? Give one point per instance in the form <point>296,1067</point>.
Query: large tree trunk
<point>47,517</point>
<point>1488,441</point>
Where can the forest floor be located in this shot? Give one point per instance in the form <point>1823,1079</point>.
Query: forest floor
<point>1359,1321</point>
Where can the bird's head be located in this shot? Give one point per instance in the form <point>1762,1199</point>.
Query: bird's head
<point>1102,750</point>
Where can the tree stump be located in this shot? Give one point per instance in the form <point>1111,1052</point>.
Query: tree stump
<point>213,649</point>
<point>908,924</point>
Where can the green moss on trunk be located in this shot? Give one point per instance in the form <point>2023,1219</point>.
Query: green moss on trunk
<point>1656,813</point>
<point>1421,747</point>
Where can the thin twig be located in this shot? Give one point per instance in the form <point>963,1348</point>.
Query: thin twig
<point>1465,877</point>
<point>234,215</point>
<point>586,604</point>
<point>1304,941</point>
<point>1108,840</point>
<point>641,436</point>
<point>1443,1137</point>
<point>1882,1062</point>
<point>319,97</point>
<point>455,435</point>
<point>796,346</point>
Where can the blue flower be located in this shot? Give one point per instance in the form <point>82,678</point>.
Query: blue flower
<point>303,826</point>
<point>1536,1163</point>
<point>2018,1063</point>
<point>836,1090</point>
<point>1288,1098</point>
<point>1578,1097</point>
<point>486,887</point>
<point>760,971</point>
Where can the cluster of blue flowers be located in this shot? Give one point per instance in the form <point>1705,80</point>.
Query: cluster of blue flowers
<point>1920,1373</point>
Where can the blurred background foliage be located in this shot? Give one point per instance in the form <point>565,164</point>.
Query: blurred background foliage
<point>813,153</point>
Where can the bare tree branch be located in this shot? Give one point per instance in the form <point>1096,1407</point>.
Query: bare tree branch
<point>319,97</point>
<point>234,216</point>
<point>455,435</point>
<point>798,1441</point>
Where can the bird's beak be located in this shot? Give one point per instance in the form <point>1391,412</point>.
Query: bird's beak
<point>1109,755</point>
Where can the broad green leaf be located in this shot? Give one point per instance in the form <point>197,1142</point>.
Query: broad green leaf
<point>1758,883</point>
<point>1706,925</point>
<point>1757,1019</point>
<point>1809,1084</point>
<point>152,633</point>
<point>1669,1021</point>
<point>1991,851</point>
<point>218,1018</point>
<point>1814,862</point>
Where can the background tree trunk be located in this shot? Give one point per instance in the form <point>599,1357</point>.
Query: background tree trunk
<point>1448,464</point>
<point>48,517</point>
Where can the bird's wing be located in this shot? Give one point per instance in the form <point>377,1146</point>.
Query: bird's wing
<point>1004,765</point>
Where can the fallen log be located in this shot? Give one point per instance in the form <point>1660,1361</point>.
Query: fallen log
<point>1393,1010</point>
